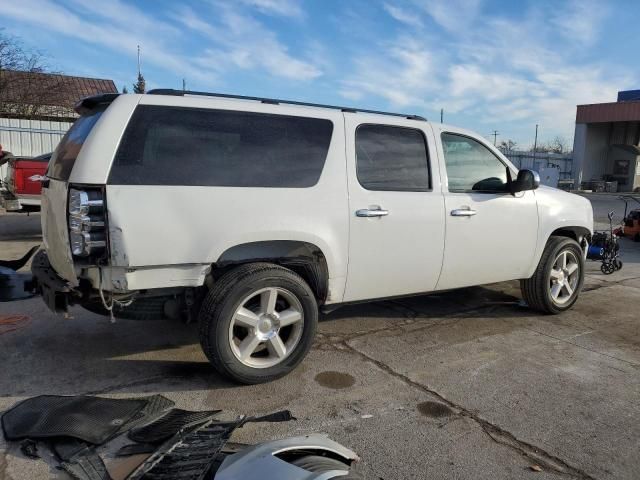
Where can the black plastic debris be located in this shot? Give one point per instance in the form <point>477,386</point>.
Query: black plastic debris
<point>29,449</point>
<point>167,426</point>
<point>191,453</point>
<point>156,407</point>
<point>92,419</point>
<point>135,449</point>
<point>21,262</point>
<point>14,285</point>
<point>66,448</point>
<point>86,466</point>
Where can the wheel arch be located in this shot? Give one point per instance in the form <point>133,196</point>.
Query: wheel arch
<point>575,232</point>
<point>304,258</point>
<point>578,233</point>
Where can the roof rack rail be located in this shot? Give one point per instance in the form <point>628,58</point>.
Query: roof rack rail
<point>275,101</point>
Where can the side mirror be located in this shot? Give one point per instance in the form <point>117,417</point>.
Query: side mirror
<point>527,180</point>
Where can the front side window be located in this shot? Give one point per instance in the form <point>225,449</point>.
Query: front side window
<point>392,158</point>
<point>472,167</point>
<point>189,146</point>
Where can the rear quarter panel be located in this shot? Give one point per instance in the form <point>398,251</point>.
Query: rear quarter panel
<point>181,225</point>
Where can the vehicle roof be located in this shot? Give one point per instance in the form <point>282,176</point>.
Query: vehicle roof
<point>91,102</point>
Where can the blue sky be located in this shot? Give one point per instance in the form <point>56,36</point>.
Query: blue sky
<point>491,64</point>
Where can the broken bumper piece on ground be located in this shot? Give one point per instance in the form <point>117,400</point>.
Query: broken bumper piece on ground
<point>171,443</point>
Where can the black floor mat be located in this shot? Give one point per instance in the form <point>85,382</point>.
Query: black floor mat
<point>92,419</point>
<point>156,407</point>
<point>167,426</point>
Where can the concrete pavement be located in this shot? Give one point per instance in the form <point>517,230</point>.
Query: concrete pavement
<point>464,384</point>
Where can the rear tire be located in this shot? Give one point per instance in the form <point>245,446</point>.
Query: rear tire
<point>258,322</point>
<point>553,289</point>
<point>319,464</point>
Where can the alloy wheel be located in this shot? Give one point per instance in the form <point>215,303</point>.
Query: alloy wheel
<point>266,327</point>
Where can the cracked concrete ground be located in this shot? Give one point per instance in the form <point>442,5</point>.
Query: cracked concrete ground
<point>465,384</point>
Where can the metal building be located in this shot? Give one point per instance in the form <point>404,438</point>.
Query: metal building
<point>606,148</point>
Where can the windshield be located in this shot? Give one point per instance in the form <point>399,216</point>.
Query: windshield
<point>69,147</point>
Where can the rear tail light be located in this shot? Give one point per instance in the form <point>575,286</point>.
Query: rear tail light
<point>87,231</point>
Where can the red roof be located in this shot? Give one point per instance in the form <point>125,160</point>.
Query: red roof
<point>608,112</point>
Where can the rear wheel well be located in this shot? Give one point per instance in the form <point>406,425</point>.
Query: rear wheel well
<point>305,259</point>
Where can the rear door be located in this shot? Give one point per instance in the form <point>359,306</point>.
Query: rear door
<point>55,231</point>
<point>395,206</point>
<point>491,234</point>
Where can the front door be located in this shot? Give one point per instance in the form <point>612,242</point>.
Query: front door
<point>396,208</point>
<point>491,235</point>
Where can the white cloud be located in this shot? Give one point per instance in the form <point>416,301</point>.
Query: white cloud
<point>396,74</point>
<point>235,40</point>
<point>241,41</point>
<point>113,32</point>
<point>492,71</point>
<point>285,8</point>
<point>403,16</point>
<point>452,15</point>
<point>579,20</point>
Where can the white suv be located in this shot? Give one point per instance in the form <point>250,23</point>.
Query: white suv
<point>248,214</point>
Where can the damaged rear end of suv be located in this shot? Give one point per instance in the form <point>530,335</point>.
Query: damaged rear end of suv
<point>169,206</point>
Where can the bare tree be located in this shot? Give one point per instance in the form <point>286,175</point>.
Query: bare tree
<point>507,145</point>
<point>25,90</point>
<point>559,145</point>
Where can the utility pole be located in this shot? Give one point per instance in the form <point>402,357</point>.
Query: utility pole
<point>535,145</point>
<point>441,115</point>
<point>138,60</point>
<point>184,85</point>
<point>495,137</point>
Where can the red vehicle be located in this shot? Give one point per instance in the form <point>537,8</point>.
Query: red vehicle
<point>22,193</point>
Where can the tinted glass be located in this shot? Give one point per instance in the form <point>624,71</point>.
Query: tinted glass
<point>391,158</point>
<point>64,157</point>
<point>471,166</point>
<point>187,146</point>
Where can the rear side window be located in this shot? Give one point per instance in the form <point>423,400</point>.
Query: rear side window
<point>188,146</point>
<point>392,158</point>
<point>69,147</point>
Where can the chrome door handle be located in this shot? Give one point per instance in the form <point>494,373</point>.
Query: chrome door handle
<point>365,212</point>
<point>463,212</point>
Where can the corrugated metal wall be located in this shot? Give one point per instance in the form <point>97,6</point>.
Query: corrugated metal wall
<point>527,160</point>
<point>30,138</point>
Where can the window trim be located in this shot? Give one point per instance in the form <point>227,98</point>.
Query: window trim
<point>485,192</point>
<point>426,148</point>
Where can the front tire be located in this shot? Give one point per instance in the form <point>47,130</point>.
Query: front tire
<point>258,322</point>
<point>558,279</point>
